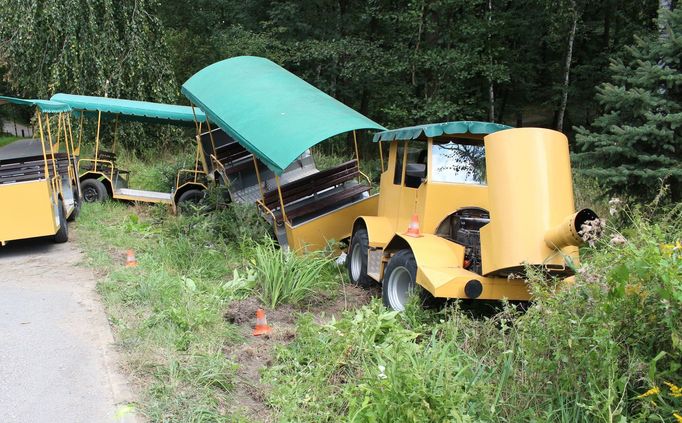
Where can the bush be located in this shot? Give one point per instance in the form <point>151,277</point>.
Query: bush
<point>284,276</point>
<point>604,348</point>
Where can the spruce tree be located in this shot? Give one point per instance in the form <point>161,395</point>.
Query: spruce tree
<point>637,142</point>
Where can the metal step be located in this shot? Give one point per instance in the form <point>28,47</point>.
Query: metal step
<point>146,196</point>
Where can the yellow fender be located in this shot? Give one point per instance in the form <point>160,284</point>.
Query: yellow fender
<point>440,271</point>
<point>379,230</point>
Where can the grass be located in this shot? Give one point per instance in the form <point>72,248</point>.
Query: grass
<point>167,311</point>
<point>606,348</point>
<point>7,139</point>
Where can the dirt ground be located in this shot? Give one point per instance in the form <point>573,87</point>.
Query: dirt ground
<point>257,352</point>
<point>57,358</point>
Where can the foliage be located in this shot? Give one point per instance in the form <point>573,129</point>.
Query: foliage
<point>287,277</point>
<point>637,141</point>
<point>4,140</point>
<point>605,348</point>
<point>168,311</point>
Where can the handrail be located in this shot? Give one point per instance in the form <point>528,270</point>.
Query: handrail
<point>181,171</point>
<point>265,208</point>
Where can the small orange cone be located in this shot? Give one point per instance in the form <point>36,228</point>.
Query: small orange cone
<point>413,228</point>
<point>262,327</point>
<point>130,260</point>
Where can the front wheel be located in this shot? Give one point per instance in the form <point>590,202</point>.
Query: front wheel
<point>399,281</point>
<point>62,234</point>
<point>93,190</point>
<point>356,261</point>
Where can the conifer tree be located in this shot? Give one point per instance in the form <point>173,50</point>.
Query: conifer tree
<point>637,142</point>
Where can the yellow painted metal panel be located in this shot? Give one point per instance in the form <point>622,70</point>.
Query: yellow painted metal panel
<point>380,230</point>
<point>439,200</point>
<point>530,190</point>
<point>27,210</point>
<point>336,225</point>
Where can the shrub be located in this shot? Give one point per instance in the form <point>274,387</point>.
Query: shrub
<point>288,277</point>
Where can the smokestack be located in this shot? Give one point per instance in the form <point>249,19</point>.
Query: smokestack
<point>566,233</point>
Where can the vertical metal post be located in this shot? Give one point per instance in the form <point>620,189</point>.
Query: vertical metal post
<point>281,200</point>
<point>42,144</point>
<point>80,133</point>
<point>381,156</point>
<point>113,148</point>
<point>355,142</point>
<point>49,136</point>
<point>260,183</point>
<point>99,122</point>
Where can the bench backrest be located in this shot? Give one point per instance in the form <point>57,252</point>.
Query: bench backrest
<point>312,184</point>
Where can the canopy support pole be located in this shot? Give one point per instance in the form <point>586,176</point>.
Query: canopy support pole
<point>381,156</point>
<point>49,140</point>
<point>59,133</point>
<point>281,200</point>
<point>113,148</point>
<point>42,145</point>
<point>99,122</point>
<point>355,142</point>
<point>80,133</point>
<point>260,183</point>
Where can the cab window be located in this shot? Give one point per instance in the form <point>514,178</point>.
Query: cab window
<point>416,154</point>
<point>460,163</point>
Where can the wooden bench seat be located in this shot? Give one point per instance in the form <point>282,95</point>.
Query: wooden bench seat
<point>229,154</point>
<point>314,185</point>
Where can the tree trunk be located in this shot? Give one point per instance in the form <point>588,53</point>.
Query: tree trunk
<point>420,30</point>
<point>567,69</point>
<point>491,88</point>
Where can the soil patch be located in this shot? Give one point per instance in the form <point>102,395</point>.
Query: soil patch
<point>256,353</point>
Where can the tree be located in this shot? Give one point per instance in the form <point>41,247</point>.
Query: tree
<point>637,142</point>
<point>92,47</point>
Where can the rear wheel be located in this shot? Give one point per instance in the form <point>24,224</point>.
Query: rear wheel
<point>191,196</point>
<point>93,191</point>
<point>356,261</point>
<point>62,234</point>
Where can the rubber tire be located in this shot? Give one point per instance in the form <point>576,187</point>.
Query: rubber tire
<point>77,208</point>
<point>190,196</point>
<point>359,241</point>
<point>90,186</point>
<point>405,258</point>
<point>62,234</point>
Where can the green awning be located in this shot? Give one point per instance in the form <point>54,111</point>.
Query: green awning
<point>435,130</point>
<point>270,111</point>
<point>45,106</point>
<point>141,111</point>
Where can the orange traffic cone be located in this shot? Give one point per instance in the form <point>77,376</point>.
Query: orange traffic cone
<point>413,228</point>
<point>130,260</point>
<point>262,327</point>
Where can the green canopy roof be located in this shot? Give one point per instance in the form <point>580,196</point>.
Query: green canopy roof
<point>434,130</point>
<point>143,111</point>
<point>46,106</point>
<point>269,110</point>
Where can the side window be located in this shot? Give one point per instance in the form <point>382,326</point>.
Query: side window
<point>416,155</point>
<point>459,163</point>
<point>398,175</point>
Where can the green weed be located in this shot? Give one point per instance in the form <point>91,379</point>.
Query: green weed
<point>286,277</point>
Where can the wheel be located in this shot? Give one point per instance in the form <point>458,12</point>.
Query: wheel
<point>192,196</point>
<point>77,202</point>
<point>399,281</point>
<point>356,262</point>
<point>62,234</point>
<point>93,190</point>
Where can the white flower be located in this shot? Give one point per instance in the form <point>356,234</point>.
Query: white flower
<point>382,369</point>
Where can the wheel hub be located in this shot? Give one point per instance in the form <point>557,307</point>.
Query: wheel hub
<point>355,263</point>
<point>400,287</point>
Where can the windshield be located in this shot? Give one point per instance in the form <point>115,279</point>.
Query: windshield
<point>459,163</point>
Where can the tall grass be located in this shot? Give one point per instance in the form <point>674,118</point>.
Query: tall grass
<point>286,277</point>
<point>604,349</point>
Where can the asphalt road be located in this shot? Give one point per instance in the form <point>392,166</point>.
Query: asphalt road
<point>57,359</point>
<point>21,148</point>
